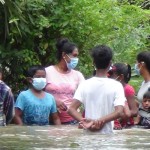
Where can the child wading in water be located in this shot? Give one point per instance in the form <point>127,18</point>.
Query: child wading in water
<point>143,118</point>
<point>122,73</point>
<point>34,106</point>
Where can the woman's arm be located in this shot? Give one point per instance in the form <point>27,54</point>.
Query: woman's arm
<point>137,120</point>
<point>55,119</point>
<point>18,116</point>
<point>132,105</point>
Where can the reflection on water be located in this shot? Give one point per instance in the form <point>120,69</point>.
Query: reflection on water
<point>69,137</point>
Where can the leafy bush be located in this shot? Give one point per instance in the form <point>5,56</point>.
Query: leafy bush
<point>30,29</point>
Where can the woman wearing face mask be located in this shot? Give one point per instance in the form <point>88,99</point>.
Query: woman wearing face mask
<point>122,73</point>
<point>62,79</point>
<point>142,67</point>
<point>34,106</point>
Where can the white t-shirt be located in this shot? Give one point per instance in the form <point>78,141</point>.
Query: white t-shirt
<point>143,89</point>
<point>99,96</point>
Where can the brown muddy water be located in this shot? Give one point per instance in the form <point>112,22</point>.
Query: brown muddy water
<point>71,138</point>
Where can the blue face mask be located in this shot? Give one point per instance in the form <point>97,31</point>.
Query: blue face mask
<point>137,70</point>
<point>73,63</point>
<point>39,83</point>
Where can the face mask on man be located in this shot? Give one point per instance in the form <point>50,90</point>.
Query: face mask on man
<point>39,83</point>
<point>73,63</point>
<point>137,70</point>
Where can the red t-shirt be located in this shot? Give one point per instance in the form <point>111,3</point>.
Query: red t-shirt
<point>129,91</point>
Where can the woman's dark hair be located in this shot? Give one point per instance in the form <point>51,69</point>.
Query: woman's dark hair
<point>32,71</point>
<point>147,94</point>
<point>64,45</point>
<point>102,56</point>
<point>144,57</point>
<point>121,68</point>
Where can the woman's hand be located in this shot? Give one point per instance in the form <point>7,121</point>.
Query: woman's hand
<point>61,106</point>
<point>127,112</point>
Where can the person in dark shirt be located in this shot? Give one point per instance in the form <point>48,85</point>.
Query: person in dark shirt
<point>143,118</point>
<point>6,102</point>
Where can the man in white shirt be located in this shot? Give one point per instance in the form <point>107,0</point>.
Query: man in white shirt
<point>103,98</point>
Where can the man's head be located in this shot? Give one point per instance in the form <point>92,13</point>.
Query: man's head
<point>102,56</point>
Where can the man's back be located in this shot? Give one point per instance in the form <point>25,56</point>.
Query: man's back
<point>103,98</point>
<point>99,96</point>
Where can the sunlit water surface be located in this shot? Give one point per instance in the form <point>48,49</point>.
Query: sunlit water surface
<point>70,137</point>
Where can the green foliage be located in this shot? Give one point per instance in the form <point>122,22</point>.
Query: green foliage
<point>30,29</point>
<point>136,82</point>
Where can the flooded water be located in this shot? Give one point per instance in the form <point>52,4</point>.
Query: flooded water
<point>69,137</point>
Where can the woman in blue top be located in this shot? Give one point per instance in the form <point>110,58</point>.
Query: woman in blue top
<point>34,106</point>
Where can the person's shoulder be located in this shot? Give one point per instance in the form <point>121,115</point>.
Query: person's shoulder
<point>51,67</point>
<point>129,87</point>
<point>148,83</point>
<point>112,81</point>
<point>49,95</point>
<point>91,79</point>
<point>23,95</point>
<point>145,83</point>
<point>84,82</point>
<point>129,90</point>
<point>88,81</point>
<point>4,86</point>
<point>76,72</point>
<point>25,92</point>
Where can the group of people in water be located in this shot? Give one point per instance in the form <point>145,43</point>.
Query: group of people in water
<point>59,94</point>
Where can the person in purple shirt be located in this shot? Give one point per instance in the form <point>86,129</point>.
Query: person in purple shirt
<point>6,102</point>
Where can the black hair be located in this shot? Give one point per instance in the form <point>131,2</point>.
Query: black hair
<point>32,71</point>
<point>1,70</point>
<point>125,69</point>
<point>102,56</point>
<point>64,45</point>
<point>144,57</point>
<point>147,94</point>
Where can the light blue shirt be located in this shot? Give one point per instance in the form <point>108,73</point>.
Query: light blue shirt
<point>36,111</point>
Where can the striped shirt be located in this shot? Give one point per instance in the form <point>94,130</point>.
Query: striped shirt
<point>6,104</point>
